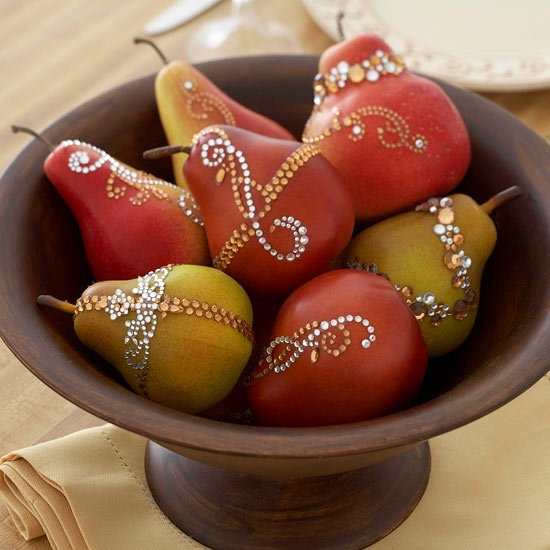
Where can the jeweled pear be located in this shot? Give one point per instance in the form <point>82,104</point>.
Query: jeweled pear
<point>276,212</point>
<point>395,136</point>
<point>179,335</point>
<point>130,221</point>
<point>434,256</point>
<point>188,101</point>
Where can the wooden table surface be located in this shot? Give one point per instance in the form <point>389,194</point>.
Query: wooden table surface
<point>56,54</point>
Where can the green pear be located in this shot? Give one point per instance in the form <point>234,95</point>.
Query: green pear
<point>180,335</point>
<point>434,256</point>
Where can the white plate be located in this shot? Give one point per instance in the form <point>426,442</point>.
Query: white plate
<point>491,45</point>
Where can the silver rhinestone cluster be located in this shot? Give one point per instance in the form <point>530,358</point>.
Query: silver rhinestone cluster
<point>190,208</point>
<point>141,329</point>
<point>144,302</point>
<point>299,232</point>
<point>80,162</point>
<point>370,69</point>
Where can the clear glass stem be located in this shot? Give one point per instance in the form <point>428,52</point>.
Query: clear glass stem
<point>242,32</point>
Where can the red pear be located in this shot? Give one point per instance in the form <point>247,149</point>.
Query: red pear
<point>276,212</point>
<point>395,136</point>
<point>344,348</point>
<point>131,222</point>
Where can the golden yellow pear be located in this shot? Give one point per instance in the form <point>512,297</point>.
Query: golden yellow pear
<point>180,335</point>
<point>188,101</point>
<point>434,256</point>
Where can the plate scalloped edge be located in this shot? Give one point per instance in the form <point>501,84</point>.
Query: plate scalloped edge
<point>506,72</point>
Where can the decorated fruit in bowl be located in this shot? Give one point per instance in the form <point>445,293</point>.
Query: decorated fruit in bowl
<point>241,486</point>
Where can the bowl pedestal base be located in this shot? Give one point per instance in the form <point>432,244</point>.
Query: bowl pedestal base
<point>228,510</point>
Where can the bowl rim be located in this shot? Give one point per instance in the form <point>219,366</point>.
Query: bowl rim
<point>423,421</point>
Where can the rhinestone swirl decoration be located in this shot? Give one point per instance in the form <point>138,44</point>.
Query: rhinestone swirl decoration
<point>148,303</point>
<point>332,337</point>
<point>144,185</point>
<point>201,104</point>
<point>372,69</point>
<point>395,133</point>
<point>254,200</point>
<point>427,305</point>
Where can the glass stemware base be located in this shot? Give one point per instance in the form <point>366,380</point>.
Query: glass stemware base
<point>242,32</point>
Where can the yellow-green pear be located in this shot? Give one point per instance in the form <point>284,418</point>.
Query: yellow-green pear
<point>180,335</point>
<point>434,256</point>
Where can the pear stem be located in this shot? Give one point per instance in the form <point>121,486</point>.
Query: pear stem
<point>140,40</point>
<point>50,301</point>
<point>166,151</point>
<point>339,26</point>
<point>500,198</point>
<point>15,129</point>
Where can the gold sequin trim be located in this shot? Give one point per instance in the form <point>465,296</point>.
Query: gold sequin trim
<point>141,184</point>
<point>169,305</point>
<point>200,103</point>
<point>208,311</point>
<point>393,134</point>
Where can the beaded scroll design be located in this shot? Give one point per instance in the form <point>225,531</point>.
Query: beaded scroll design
<point>427,306</point>
<point>145,306</point>
<point>201,104</point>
<point>332,337</point>
<point>123,178</point>
<point>254,200</point>
<point>395,132</point>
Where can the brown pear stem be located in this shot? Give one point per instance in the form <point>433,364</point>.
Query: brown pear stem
<point>500,198</point>
<point>140,40</point>
<point>15,129</point>
<point>339,26</point>
<point>50,301</point>
<point>166,151</point>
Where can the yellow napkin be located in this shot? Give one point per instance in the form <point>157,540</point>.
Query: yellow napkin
<point>87,491</point>
<point>489,489</point>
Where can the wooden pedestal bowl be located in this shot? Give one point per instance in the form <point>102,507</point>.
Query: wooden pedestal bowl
<point>237,486</point>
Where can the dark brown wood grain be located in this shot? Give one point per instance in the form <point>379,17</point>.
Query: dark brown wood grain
<point>232,511</point>
<point>41,252</point>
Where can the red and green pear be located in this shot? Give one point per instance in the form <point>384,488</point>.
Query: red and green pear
<point>188,101</point>
<point>395,136</point>
<point>344,348</point>
<point>131,222</point>
<point>276,212</point>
